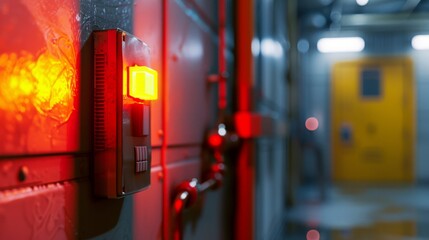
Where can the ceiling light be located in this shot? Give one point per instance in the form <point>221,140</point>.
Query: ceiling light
<point>420,42</point>
<point>362,2</point>
<point>346,44</point>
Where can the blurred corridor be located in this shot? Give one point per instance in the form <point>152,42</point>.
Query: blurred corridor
<point>355,212</point>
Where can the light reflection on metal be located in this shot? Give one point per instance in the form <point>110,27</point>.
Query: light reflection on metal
<point>420,42</point>
<point>256,47</point>
<point>221,130</point>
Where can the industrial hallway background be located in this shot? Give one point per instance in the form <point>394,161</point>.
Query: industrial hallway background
<point>214,119</point>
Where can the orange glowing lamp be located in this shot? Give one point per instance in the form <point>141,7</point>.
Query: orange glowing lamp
<point>142,83</point>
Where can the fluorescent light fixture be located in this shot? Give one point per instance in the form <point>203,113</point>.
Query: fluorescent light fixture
<point>271,48</point>
<point>346,44</point>
<point>420,42</point>
<point>362,2</point>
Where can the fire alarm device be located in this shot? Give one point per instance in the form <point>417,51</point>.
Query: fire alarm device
<point>124,86</point>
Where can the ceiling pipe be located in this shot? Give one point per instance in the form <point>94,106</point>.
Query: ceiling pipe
<point>384,21</point>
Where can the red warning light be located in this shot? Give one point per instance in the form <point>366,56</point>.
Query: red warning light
<point>142,83</point>
<point>312,124</point>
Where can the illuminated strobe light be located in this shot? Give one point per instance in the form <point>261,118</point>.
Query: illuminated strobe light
<point>362,2</point>
<point>346,44</point>
<point>420,42</point>
<point>312,124</point>
<point>143,83</point>
<point>313,235</point>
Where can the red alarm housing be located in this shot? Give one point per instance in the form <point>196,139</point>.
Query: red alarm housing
<point>124,85</point>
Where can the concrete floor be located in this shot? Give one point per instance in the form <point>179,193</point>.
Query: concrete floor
<point>359,213</point>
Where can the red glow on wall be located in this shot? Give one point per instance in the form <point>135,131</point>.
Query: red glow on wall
<point>215,140</point>
<point>311,124</point>
<point>38,76</point>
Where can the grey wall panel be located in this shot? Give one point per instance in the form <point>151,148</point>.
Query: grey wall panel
<point>191,59</point>
<point>270,51</point>
<point>207,219</point>
<point>270,188</point>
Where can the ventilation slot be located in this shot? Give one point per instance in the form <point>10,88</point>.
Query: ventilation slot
<point>99,102</point>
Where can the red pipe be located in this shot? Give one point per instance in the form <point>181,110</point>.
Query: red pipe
<point>188,192</point>
<point>165,189</point>
<point>186,196</point>
<point>244,222</point>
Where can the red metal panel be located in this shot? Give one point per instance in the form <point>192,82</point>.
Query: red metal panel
<point>191,58</point>
<point>39,77</point>
<point>147,219</point>
<point>147,27</point>
<point>45,212</point>
<point>34,170</point>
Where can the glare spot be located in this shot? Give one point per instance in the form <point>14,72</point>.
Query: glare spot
<point>313,235</point>
<point>256,47</point>
<point>420,42</point>
<point>362,2</point>
<point>271,48</point>
<point>311,124</point>
<point>221,130</point>
<point>184,195</point>
<point>193,182</point>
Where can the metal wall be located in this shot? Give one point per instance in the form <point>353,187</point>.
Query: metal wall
<point>46,74</point>
<point>45,160</point>
<point>270,49</point>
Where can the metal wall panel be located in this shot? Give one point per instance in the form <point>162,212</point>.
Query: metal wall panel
<point>147,27</point>
<point>69,211</point>
<point>270,100</point>
<point>191,59</point>
<point>39,106</point>
<point>60,204</point>
<point>147,205</point>
<point>37,213</point>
